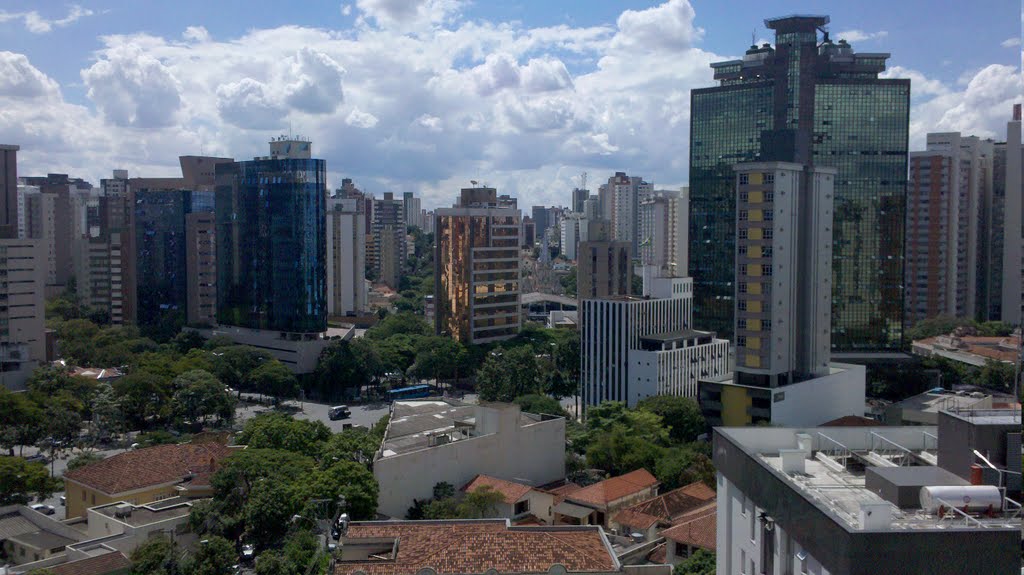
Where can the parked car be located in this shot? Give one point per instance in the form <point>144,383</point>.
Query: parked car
<point>339,412</point>
<point>44,509</point>
<point>37,458</point>
<point>63,501</point>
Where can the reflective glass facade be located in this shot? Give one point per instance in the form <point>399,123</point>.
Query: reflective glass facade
<point>271,245</point>
<point>810,101</point>
<point>160,251</point>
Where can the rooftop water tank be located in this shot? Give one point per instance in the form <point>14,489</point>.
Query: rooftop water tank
<point>971,497</point>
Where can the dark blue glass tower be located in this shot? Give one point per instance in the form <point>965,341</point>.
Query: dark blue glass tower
<point>271,241</point>
<point>160,251</point>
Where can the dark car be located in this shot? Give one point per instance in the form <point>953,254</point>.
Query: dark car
<point>339,412</point>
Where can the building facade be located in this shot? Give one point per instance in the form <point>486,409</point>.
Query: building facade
<point>664,227</point>
<point>1011,267</point>
<point>271,220</point>
<point>346,257</point>
<point>807,100</point>
<point>620,200</point>
<point>477,274</point>
<point>603,266</point>
<point>201,267</point>
<point>412,210</point>
<point>388,230</point>
<point>570,232</point>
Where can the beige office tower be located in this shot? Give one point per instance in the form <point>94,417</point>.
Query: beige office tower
<point>664,232</point>
<point>346,257</point>
<point>603,266</point>
<point>201,268</point>
<point>783,272</point>
<point>477,275</point>
<point>22,327</point>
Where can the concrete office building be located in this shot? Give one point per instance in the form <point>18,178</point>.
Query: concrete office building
<point>633,347</point>
<point>430,441</point>
<point>570,232</point>
<point>783,305</point>
<point>579,198</point>
<point>411,209</point>
<point>805,100</point>
<point>118,240</point>
<point>388,231</point>
<point>603,266</point>
<point>946,197</point>
<point>22,327</point>
<point>346,257</point>
<point>50,222</point>
<point>541,221</point>
<point>1010,268</point>
<point>477,275</point>
<point>848,500</point>
<point>664,227</point>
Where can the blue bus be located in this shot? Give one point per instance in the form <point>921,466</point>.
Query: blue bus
<point>410,392</point>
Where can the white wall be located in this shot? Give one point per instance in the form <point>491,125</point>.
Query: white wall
<point>822,399</point>
<point>533,454</point>
<point>677,371</point>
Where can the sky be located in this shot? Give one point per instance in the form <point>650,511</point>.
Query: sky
<point>426,95</point>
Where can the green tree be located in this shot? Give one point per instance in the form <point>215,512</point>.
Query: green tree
<point>354,444</point>
<point>241,471</point>
<point>700,563</point>
<point>107,415</point>
<point>568,282</point>
<point>682,414</point>
<point>144,398</point>
<point>684,465</point>
<point>211,517</point>
<point>215,556</point>
<point>273,563</point>
<point>444,490</point>
<point>20,420</point>
<point>187,340</point>
<point>279,431</point>
<point>507,374</point>
<point>156,556</point>
<point>620,451</point>
<point>439,358</point>
<point>51,381</point>
<point>346,366</point>
<point>481,503</point>
<point>273,378</point>
<point>399,323</point>
<point>300,550</point>
<point>355,483</point>
<point>233,364</point>
<point>157,437</point>
<point>997,375</point>
<point>196,358</point>
<point>201,395</point>
<point>537,403</point>
<point>61,428</point>
<point>83,459</point>
<point>268,510</point>
<point>441,509</point>
<point>21,480</point>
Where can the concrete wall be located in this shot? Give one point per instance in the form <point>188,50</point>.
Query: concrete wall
<point>533,454</point>
<point>822,399</point>
<point>80,497</point>
<point>300,355</point>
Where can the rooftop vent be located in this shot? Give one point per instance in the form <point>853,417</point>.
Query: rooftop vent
<point>123,510</point>
<point>875,515</point>
<point>793,460</point>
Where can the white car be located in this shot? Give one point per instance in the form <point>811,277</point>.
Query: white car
<point>44,509</point>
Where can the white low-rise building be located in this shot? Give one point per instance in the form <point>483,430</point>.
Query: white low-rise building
<point>433,441</point>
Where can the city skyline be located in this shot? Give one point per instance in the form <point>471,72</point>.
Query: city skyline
<point>522,99</point>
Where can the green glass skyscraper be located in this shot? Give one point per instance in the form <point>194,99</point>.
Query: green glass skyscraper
<point>810,101</point>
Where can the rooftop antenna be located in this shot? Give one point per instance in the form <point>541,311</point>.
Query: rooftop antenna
<point>753,37</point>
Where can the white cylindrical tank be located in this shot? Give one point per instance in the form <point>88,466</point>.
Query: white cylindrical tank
<point>973,497</point>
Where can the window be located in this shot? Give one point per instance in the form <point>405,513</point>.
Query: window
<point>522,507</point>
<point>743,233</point>
<point>741,323</point>
<point>743,215</point>
<point>769,215</point>
<point>744,196</point>
<point>741,341</point>
<point>744,179</point>
<point>743,287</point>
<point>769,178</point>
<point>766,252</point>
<point>769,196</point>
<point>742,304</point>
<point>766,269</point>
<point>742,250</point>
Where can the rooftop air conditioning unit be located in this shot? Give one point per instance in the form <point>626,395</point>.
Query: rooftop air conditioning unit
<point>123,510</point>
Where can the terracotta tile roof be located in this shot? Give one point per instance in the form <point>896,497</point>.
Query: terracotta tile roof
<point>99,565</point>
<point>668,506</point>
<point>657,556</point>
<point>852,421</point>
<point>149,466</point>
<point>455,547</point>
<point>634,519</point>
<point>614,488</point>
<point>560,492</point>
<point>510,490</point>
<point>697,528</point>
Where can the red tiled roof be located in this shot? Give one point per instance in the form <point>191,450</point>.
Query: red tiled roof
<point>99,565</point>
<point>852,421</point>
<point>635,519</point>
<point>149,466</point>
<point>563,490</point>
<point>697,528</point>
<point>614,488</point>
<point>454,547</point>
<point>658,556</point>
<point>666,506</point>
<point>510,490</point>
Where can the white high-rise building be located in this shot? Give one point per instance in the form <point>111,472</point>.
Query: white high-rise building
<point>1012,293</point>
<point>346,257</point>
<point>570,226</point>
<point>664,231</point>
<point>634,347</point>
<point>413,212</point>
<point>620,201</point>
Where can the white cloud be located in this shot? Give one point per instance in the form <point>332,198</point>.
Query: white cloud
<point>859,35</point>
<point>359,119</point>
<point>20,79</point>
<point>37,24</point>
<point>920,86</point>
<point>408,15</point>
<point>197,34</point>
<point>346,9</point>
<point>317,87</point>
<point>545,75</point>
<point>247,104</point>
<point>668,26</point>
<point>132,88</point>
<point>1010,42</point>
<point>432,123</point>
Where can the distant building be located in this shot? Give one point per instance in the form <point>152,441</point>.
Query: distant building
<point>603,266</point>
<point>857,500</point>
<point>430,441</point>
<point>655,515</point>
<point>22,325</point>
<point>970,349</point>
<point>490,546</point>
<point>271,242</point>
<point>808,99</point>
<point>538,306</point>
<point>1007,212</point>
<point>924,408</point>
<point>579,199</point>
<point>596,504</point>
<point>412,211</point>
<point>540,221</point>
<point>28,537</point>
<point>620,202</point>
<point>49,222</point>
<point>664,226</point>
<point>389,229</point>
<point>201,267</point>
<point>346,257</point>
<point>949,186</point>
<point>477,275</point>
<point>520,502</point>
<point>570,232</point>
